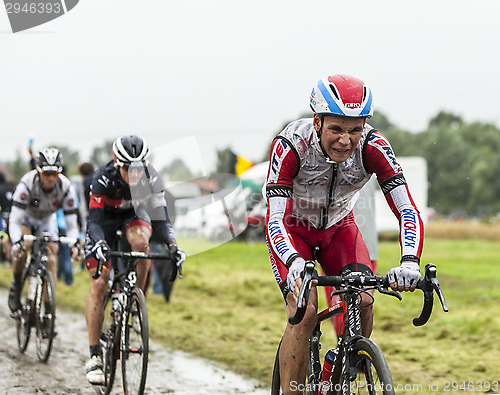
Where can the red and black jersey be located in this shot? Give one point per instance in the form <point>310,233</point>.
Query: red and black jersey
<point>111,196</point>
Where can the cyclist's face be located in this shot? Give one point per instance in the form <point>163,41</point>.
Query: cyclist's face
<point>48,179</point>
<point>131,175</point>
<point>339,135</point>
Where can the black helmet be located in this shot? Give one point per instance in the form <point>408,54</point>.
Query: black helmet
<point>49,159</point>
<point>129,149</point>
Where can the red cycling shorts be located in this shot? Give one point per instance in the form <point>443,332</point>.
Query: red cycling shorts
<point>341,247</point>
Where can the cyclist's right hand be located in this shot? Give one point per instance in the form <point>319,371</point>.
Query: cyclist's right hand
<point>295,273</point>
<point>100,251</point>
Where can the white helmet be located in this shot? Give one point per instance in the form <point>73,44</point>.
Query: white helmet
<point>342,95</point>
<point>129,150</point>
<point>49,159</point>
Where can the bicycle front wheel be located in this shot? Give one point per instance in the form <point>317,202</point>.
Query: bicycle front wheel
<point>369,372</point>
<point>25,319</point>
<point>45,316</point>
<point>134,347</point>
<point>110,342</point>
<point>276,382</point>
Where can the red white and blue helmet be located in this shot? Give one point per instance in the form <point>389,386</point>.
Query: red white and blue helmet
<point>342,95</point>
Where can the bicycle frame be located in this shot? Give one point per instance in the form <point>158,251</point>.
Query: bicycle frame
<point>349,333</point>
<point>35,311</point>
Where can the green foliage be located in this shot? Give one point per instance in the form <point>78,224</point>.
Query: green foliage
<point>18,167</point>
<point>223,161</point>
<point>177,170</point>
<point>102,154</point>
<point>462,160</point>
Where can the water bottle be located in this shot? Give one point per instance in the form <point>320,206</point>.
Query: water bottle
<point>32,285</point>
<point>116,303</point>
<point>327,372</point>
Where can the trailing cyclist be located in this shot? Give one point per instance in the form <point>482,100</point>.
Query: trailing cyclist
<point>317,167</point>
<point>127,194</point>
<point>39,194</point>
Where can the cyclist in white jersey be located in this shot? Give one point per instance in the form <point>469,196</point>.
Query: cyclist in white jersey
<point>39,194</point>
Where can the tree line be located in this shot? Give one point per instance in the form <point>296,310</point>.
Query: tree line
<point>462,161</point>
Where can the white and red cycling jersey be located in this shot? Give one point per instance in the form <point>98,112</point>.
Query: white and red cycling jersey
<point>308,193</point>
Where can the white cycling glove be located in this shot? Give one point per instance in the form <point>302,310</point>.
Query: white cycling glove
<point>294,272</point>
<point>100,251</point>
<point>406,275</point>
<point>178,254</point>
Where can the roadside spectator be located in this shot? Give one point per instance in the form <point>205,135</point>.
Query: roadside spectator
<point>6,192</point>
<point>86,170</point>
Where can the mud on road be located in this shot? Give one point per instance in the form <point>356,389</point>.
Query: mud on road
<point>169,372</point>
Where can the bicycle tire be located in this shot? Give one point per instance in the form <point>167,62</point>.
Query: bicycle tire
<point>134,347</point>
<point>309,388</point>
<point>45,316</point>
<point>372,371</point>
<point>110,345</point>
<point>24,320</point>
<point>276,383</point>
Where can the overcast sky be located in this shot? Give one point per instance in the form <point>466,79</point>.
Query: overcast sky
<point>231,72</point>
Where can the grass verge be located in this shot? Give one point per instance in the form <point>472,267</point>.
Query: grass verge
<point>228,308</point>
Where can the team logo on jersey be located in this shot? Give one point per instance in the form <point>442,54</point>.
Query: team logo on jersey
<point>393,182</point>
<point>278,240</point>
<point>274,265</point>
<point>104,181</point>
<point>377,141</point>
<point>280,150</point>
<point>410,227</point>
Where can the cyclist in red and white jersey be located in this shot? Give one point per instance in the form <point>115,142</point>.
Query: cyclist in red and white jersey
<point>39,194</point>
<point>317,167</point>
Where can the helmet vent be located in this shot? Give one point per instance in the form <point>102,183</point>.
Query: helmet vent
<point>364,93</point>
<point>334,91</point>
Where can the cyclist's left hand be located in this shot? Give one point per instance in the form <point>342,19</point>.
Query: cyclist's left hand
<point>404,277</point>
<point>178,254</point>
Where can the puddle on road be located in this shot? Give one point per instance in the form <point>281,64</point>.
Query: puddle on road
<point>169,372</point>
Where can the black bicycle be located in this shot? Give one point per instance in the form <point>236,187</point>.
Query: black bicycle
<point>125,334</point>
<point>38,296</point>
<point>357,364</point>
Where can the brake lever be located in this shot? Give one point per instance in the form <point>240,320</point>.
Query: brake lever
<point>439,292</point>
<point>306,288</point>
<point>303,294</point>
<point>386,291</point>
<point>428,285</point>
<point>98,271</point>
